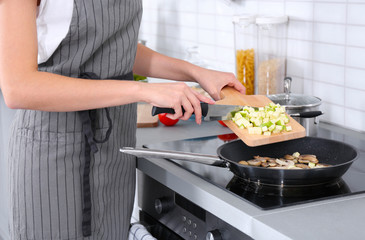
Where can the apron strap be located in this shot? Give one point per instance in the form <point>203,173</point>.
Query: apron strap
<point>88,121</point>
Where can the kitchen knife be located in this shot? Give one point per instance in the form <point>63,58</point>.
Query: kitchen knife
<point>210,112</point>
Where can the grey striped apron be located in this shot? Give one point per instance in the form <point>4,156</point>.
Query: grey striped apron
<point>47,149</point>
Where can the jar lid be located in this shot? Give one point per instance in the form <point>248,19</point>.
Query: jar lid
<point>295,100</point>
<point>243,19</point>
<point>267,19</point>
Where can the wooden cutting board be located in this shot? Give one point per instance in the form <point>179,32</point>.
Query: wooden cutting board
<point>144,116</point>
<point>230,96</point>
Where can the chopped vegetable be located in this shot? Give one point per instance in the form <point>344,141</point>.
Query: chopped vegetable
<point>267,120</point>
<point>294,161</point>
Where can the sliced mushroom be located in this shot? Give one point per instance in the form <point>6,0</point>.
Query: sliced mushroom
<point>289,163</point>
<point>295,161</point>
<point>321,165</point>
<point>264,164</point>
<point>263,159</point>
<point>280,162</point>
<point>243,162</point>
<point>303,161</point>
<point>272,164</point>
<point>301,165</point>
<point>254,162</point>
<point>311,158</point>
<point>289,157</point>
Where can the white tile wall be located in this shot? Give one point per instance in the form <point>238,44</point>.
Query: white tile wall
<point>330,12</point>
<point>356,36</point>
<point>326,44</point>
<point>329,33</point>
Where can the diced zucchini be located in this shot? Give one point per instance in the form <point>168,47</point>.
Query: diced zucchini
<point>267,133</point>
<point>272,127</point>
<point>262,120</point>
<point>251,130</point>
<point>279,128</point>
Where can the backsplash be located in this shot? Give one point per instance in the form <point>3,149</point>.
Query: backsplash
<point>326,44</point>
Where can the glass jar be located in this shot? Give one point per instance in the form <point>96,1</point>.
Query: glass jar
<point>271,56</point>
<point>245,41</point>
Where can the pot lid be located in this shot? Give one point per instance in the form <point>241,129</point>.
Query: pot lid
<point>295,100</point>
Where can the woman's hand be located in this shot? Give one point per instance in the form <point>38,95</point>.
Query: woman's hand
<point>213,81</point>
<point>175,95</point>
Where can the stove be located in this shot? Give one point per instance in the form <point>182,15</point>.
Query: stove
<point>195,201</point>
<point>265,196</point>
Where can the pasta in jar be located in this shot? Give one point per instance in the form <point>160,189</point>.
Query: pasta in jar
<point>245,66</point>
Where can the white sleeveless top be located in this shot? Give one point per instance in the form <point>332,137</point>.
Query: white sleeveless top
<point>53,22</point>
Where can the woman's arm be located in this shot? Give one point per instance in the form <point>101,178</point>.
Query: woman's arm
<point>152,64</point>
<point>24,87</point>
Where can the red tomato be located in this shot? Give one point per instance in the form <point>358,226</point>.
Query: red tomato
<point>227,137</point>
<point>167,121</point>
<point>222,123</point>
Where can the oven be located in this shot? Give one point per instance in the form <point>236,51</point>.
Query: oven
<point>168,215</point>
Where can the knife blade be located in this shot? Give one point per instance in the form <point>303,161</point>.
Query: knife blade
<point>210,112</point>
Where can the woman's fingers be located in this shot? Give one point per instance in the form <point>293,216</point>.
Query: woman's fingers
<point>196,107</point>
<point>203,98</point>
<point>191,105</point>
<point>178,96</point>
<point>238,86</point>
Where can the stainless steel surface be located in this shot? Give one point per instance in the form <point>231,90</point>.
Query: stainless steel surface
<point>192,157</point>
<point>287,88</point>
<point>219,112</point>
<point>347,213</point>
<point>298,103</point>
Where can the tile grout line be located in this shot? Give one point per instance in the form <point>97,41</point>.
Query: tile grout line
<point>312,73</point>
<point>345,63</point>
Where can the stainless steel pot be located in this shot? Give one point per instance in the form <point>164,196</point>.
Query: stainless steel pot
<point>303,108</point>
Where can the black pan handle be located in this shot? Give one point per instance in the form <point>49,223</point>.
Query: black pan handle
<point>158,110</point>
<point>310,114</point>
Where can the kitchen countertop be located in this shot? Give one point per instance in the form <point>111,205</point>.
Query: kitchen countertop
<point>338,218</point>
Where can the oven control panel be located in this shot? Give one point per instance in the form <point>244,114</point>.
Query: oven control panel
<point>180,215</point>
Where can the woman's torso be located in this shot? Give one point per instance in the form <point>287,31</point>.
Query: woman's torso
<point>46,147</point>
<point>102,39</point>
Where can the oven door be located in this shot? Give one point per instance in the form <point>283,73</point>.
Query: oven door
<point>172,211</point>
<point>156,229</point>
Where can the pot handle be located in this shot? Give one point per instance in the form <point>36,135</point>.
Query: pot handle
<point>287,88</point>
<point>192,157</point>
<point>310,114</point>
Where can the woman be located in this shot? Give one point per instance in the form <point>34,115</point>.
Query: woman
<point>68,180</point>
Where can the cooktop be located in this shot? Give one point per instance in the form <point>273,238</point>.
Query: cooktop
<point>269,196</point>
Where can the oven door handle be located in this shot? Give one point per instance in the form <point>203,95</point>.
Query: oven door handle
<point>191,157</point>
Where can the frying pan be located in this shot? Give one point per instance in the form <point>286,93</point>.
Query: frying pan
<point>335,153</point>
